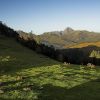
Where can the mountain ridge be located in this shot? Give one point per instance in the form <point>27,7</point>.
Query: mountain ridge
<point>69,37</point>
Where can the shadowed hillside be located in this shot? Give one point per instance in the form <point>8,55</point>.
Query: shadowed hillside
<point>11,52</point>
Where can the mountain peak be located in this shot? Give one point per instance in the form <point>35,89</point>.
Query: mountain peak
<point>68,30</point>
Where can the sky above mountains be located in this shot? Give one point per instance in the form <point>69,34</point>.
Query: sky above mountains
<point>49,15</point>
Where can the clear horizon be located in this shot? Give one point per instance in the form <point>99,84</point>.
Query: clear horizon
<point>51,15</point>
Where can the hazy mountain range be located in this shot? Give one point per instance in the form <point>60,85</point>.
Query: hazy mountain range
<point>68,37</point>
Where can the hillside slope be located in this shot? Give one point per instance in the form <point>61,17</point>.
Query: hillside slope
<point>81,45</point>
<point>14,52</point>
<point>25,75</point>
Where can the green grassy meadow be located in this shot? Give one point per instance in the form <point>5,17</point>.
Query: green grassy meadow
<point>25,75</point>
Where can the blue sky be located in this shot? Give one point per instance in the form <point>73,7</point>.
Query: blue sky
<point>49,15</point>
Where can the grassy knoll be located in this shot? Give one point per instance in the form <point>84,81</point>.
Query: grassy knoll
<point>25,75</point>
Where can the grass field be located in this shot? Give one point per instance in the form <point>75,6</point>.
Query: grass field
<point>86,44</point>
<point>25,75</point>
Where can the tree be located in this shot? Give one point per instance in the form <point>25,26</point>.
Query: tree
<point>95,55</point>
